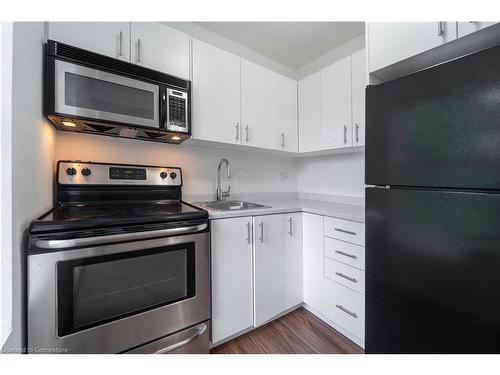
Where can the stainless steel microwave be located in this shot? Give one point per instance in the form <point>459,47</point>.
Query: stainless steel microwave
<point>91,93</point>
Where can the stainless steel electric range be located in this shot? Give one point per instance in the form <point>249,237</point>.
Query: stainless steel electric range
<point>120,264</point>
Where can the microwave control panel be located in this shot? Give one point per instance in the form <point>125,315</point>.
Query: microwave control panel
<point>177,111</point>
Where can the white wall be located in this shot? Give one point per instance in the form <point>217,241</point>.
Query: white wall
<point>6,181</point>
<point>33,146</point>
<point>339,174</point>
<point>251,171</point>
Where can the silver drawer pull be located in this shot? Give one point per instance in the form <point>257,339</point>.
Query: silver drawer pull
<point>346,254</point>
<point>346,277</point>
<point>345,231</point>
<point>342,308</point>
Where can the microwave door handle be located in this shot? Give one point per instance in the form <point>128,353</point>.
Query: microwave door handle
<point>163,106</point>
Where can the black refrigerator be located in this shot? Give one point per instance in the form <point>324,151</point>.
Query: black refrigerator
<point>433,209</point>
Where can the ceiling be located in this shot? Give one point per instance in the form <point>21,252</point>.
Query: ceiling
<point>293,44</point>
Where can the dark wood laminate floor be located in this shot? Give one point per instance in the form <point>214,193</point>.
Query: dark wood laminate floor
<point>297,332</point>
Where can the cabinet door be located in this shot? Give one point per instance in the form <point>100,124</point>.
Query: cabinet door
<point>336,120</point>
<point>259,106</point>
<point>269,267</point>
<point>107,38</point>
<point>359,74</point>
<point>232,298</point>
<point>293,260</point>
<point>216,94</point>
<point>314,284</point>
<point>287,114</point>
<point>309,113</point>
<point>466,28</point>
<point>157,46</point>
<point>390,42</point>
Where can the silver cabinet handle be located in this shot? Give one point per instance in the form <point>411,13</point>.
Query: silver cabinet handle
<point>247,137</point>
<point>261,224</point>
<point>346,254</point>
<point>283,140</point>
<point>344,231</point>
<point>345,134</point>
<point>342,308</point>
<point>440,28</point>
<point>120,47</point>
<point>249,239</point>
<point>139,60</point>
<point>346,277</point>
<point>98,240</point>
<point>357,133</point>
<point>290,223</point>
<point>237,131</point>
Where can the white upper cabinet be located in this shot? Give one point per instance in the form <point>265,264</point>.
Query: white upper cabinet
<point>107,38</point>
<point>391,42</point>
<point>359,74</point>
<point>232,294</point>
<point>287,114</point>
<point>216,94</point>
<point>293,260</point>
<point>269,267</point>
<point>466,28</point>
<point>157,46</point>
<point>259,106</point>
<point>309,113</point>
<point>336,129</point>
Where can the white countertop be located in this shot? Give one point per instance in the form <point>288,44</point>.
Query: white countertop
<point>347,208</point>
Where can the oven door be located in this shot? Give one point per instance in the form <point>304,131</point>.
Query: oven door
<point>98,95</point>
<point>112,298</point>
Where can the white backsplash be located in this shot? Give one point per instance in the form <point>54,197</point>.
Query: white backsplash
<point>251,171</point>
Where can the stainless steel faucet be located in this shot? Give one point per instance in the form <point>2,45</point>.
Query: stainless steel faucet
<point>223,194</point>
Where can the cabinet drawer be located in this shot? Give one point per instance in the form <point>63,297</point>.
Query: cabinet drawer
<point>345,230</point>
<point>346,308</point>
<point>348,253</point>
<point>346,275</point>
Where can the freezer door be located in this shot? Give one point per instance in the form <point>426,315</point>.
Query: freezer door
<point>437,128</point>
<point>432,271</point>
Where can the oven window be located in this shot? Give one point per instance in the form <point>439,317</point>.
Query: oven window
<point>100,95</point>
<point>97,290</point>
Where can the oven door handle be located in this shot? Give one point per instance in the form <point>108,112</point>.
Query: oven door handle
<point>100,240</point>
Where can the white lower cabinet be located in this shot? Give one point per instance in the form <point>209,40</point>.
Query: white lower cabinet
<point>312,234</point>
<point>265,265</point>
<point>232,296</point>
<point>346,308</point>
<point>269,260</point>
<point>293,260</point>
<point>256,271</point>
<point>334,277</point>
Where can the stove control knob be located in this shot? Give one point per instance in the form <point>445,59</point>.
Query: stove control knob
<point>71,171</point>
<point>163,175</point>
<point>86,172</point>
<point>173,175</point>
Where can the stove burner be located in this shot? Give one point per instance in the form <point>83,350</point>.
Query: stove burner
<point>89,212</point>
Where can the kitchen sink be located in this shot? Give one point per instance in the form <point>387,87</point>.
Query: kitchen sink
<point>231,205</point>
